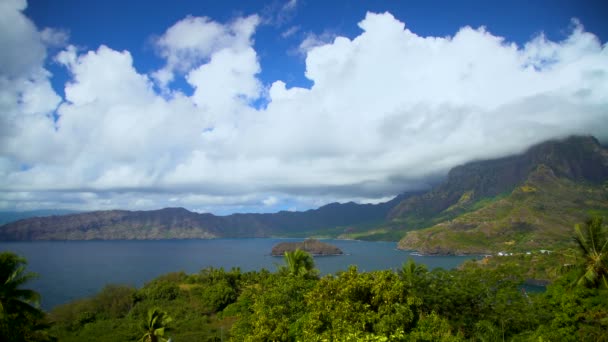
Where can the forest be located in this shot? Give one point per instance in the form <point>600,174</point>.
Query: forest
<point>476,302</point>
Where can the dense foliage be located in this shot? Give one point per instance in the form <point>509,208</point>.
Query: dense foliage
<point>20,317</point>
<point>480,301</point>
<point>475,302</point>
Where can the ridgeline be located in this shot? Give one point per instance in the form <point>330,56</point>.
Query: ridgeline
<point>517,203</point>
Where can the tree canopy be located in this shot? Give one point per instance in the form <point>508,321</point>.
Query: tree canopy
<point>20,316</point>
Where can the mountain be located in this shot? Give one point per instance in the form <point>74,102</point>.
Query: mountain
<point>518,203</point>
<point>575,158</point>
<point>11,216</point>
<point>179,223</point>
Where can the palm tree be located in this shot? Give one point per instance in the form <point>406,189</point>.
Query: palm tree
<point>13,299</point>
<point>20,316</point>
<point>299,263</point>
<point>155,326</point>
<point>410,271</point>
<point>592,240</point>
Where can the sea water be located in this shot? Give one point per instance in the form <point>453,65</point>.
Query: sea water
<point>75,269</point>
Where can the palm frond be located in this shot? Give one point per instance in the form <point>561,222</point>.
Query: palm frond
<point>592,240</point>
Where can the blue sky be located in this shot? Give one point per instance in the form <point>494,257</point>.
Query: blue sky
<point>131,25</point>
<point>246,106</point>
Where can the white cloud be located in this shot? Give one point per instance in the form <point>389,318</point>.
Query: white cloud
<point>387,109</point>
<point>22,48</point>
<point>26,96</point>
<point>286,12</point>
<point>54,37</point>
<point>270,201</point>
<point>290,31</point>
<point>313,40</point>
<point>193,41</point>
<point>279,13</point>
<point>290,5</point>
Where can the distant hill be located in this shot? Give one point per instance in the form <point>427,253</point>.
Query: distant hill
<point>530,200</point>
<point>179,223</point>
<point>11,216</point>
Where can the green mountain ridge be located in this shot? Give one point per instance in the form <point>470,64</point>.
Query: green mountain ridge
<point>477,184</point>
<point>575,158</point>
<point>538,214</point>
<point>515,203</point>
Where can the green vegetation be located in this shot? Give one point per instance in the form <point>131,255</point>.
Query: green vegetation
<point>538,214</point>
<point>155,326</point>
<point>481,301</point>
<point>514,204</point>
<point>536,267</point>
<point>592,240</point>
<point>312,246</point>
<point>300,264</point>
<point>20,317</point>
<point>476,303</point>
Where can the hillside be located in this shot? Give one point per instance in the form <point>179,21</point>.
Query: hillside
<point>538,214</point>
<point>477,184</point>
<point>575,158</point>
<point>520,202</point>
<point>179,223</point>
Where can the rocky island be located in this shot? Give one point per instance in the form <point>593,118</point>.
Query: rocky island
<point>312,246</point>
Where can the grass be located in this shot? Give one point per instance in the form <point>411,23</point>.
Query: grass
<point>522,220</point>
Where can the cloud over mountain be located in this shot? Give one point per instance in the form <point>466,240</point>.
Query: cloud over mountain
<point>387,109</point>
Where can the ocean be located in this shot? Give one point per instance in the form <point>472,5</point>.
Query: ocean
<point>76,269</point>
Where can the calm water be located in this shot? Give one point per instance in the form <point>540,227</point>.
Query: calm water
<point>76,269</point>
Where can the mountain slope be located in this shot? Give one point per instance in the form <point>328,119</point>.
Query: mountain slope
<point>475,185</point>
<point>538,214</point>
<point>179,223</point>
<point>524,202</point>
<point>574,158</point>
<point>482,206</point>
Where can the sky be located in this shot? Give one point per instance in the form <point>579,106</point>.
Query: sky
<point>251,106</point>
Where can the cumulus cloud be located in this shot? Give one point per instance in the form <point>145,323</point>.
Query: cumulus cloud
<point>194,40</point>
<point>387,110</point>
<point>26,95</point>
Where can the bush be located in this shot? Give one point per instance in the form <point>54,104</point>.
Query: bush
<point>219,295</point>
<point>159,291</point>
<point>115,301</point>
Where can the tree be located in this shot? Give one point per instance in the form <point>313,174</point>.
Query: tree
<point>272,309</point>
<point>300,264</point>
<point>155,325</point>
<point>20,317</point>
<point>13,299</point>
<point>592,240</point>
<point>355,306</point>
<point>410,271</point>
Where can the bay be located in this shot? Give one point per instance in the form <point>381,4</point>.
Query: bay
<point>76,269</point>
